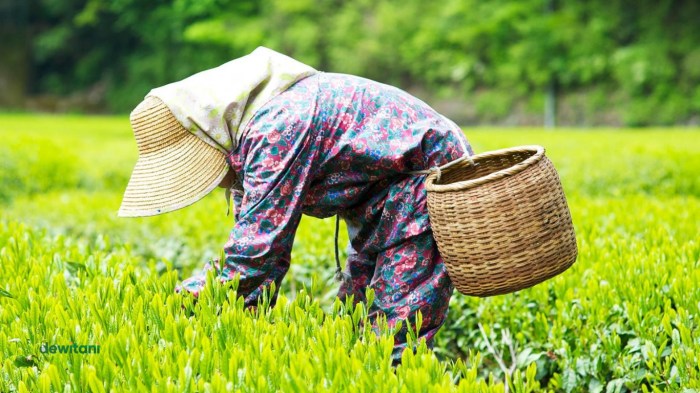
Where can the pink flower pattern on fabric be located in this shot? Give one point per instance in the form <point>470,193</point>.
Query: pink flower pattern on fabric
<point>339,144</point>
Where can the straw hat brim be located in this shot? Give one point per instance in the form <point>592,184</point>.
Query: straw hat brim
<point>175,168</point>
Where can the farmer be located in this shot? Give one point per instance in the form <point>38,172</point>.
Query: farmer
<point>286,140</point>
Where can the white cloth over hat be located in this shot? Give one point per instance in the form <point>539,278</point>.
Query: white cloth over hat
<point>216,104</point>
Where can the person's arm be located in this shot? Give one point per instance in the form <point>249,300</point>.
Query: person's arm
<point>278,164</point>
<point>278,155</point>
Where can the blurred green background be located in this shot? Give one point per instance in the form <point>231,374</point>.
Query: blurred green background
<point>527,62</point>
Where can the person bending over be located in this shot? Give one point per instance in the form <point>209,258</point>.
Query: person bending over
<point>288,140</point>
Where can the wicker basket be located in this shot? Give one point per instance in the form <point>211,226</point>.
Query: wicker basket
<point>501,221</point>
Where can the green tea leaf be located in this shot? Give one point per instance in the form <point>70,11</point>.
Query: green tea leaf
<point>74,267</point>
<point>4,293</point>
<point>25,361</point>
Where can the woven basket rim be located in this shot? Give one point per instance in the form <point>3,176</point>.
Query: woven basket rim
<point>432,186</point>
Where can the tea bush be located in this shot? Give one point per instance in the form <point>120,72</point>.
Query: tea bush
<point>623,318</point>
<point>60,291</point>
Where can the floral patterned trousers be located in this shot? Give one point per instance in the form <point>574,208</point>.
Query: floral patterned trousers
<point>407,278</point>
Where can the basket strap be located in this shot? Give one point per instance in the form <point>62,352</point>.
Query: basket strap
<point>339,274</point>
<point>439,169</point>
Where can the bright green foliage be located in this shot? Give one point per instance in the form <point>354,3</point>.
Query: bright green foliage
<point>152,339</point>
<point>623,318</point>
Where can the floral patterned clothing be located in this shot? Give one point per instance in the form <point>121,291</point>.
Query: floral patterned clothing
<point>339,144</point>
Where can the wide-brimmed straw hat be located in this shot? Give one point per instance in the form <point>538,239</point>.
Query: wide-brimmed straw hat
<point>175,168</point>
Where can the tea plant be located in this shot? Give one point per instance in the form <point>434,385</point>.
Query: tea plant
<point>623,318</point>
<point>59,292</point>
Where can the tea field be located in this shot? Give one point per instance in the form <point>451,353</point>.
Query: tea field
<point>87,301</point>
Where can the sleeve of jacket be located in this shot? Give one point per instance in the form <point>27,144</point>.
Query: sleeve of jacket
<point>278,153</point>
